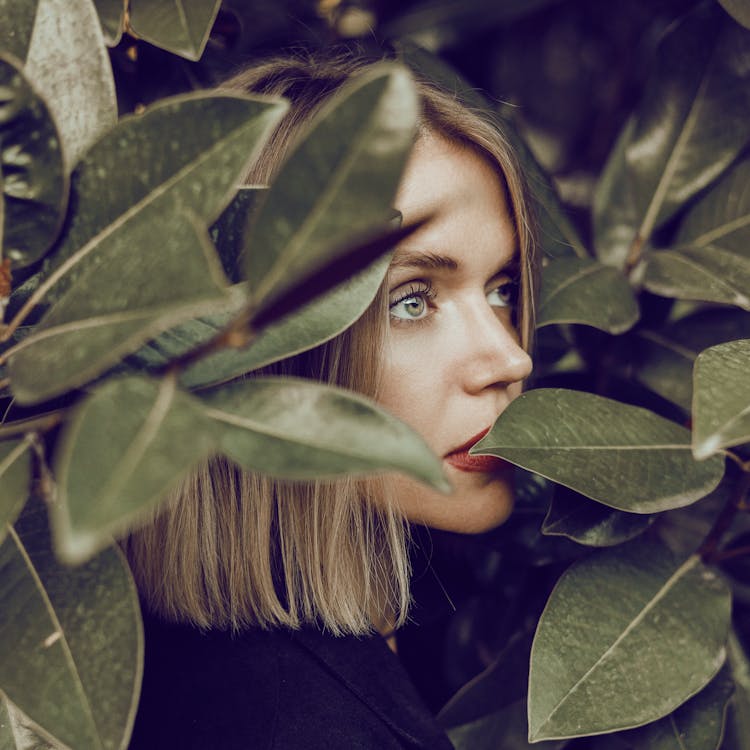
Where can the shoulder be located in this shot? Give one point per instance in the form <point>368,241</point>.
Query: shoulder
<point>258,689</point>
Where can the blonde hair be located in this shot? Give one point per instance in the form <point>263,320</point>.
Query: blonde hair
<point>230,549</point>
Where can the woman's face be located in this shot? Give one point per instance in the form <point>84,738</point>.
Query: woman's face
<point>453,360</point>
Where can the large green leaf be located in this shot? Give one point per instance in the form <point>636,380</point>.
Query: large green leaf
<point>34,182</point>
<point>739,10</point>
<point>665,357</point>
<point>696,725</point>
<point>689,127</point>
<point>628,635</point>
<point>301,429</point>
<point>337,184</point>
<point>68,64</point>
<point>623,456</point>
<point>111,16</point>
<point>592,524</point>
<point>738,726</point>
<point>122,449</point>
<point>71,642</point>
<point>179,26</point>
<point>141,290</point>
<point>580,290</point>
<point>15,474</point>
<point>15,37</point>
<point>18,732</point>
<point>184,154</point>
<point>721,403</point>
<point>709,273</point>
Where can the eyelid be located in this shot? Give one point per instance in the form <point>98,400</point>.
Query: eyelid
<point>410,289</point>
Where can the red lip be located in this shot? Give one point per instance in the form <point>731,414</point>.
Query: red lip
<point>460,458</point>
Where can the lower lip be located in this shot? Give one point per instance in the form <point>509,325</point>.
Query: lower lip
<point>484,464</point>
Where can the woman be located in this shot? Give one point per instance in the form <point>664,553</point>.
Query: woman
<point>264,599</point>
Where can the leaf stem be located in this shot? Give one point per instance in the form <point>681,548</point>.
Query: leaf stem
<point>736,502</point>
<point>730,553</point>
<point>634,254</point>
<point>43,423</point>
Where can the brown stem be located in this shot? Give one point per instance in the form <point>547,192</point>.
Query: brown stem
<point>634,255</point>
<point>730,553</point>
<point>724,520</point>
<point>43,423</point>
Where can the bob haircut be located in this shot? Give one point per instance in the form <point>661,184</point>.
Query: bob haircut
<point>230,549</point>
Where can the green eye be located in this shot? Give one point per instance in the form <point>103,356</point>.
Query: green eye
<point>410,308</point>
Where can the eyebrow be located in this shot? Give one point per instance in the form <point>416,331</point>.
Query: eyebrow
<point>428,260</point>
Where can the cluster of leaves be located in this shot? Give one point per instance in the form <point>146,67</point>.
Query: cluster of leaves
<point>636,646</point>
<point>145,281</point>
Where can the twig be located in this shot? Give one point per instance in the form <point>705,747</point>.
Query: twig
<point>36,424</point>
<point>725,518</point>
<point>730,553</point>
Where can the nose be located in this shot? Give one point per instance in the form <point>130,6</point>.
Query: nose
<point>494,356</point>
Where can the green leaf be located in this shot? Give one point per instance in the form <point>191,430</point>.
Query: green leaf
<point>578,290</point>
<point>505,729</point>
<point>628,635</point>
<point>184,154</point>
<point>122,449</point>
<point>68,65</point>
<point>339,182</point>
<point>315,323</point>
<point>590,523</point>
<point>738,725</point>
<point>709,273</point>
<point>18,732</point>
<point>178,26</point>
<point>111,17</point>
<point>15,37</point>
<point>300,429</point>
<point>689,127</point>
<point>71,641</point>
<point>721,404</point>
<point>665,357</point>
<point>15,474</point>
<point>623,456</point>
<point>34,181</point>
<point>739,10</point>
<point>696,725</point>
<point>113,308</point>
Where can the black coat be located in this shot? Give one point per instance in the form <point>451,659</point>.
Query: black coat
<point>278,690</point>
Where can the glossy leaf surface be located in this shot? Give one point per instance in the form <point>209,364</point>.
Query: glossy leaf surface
<point>68,64</point>
<point>185,154</point>
<point>71,641</point>
<point>111,14</point>
<point>15,475</point>
<point>15,37</point>
<point>122,449</point>
<point>301,429</point>
<point>739,10</point>
<point>623,456</point>
<point>337,184</point>
<point>710,274</point>
<point>689,127</point>
<point>179,26</point>
<point>721,404</point>
<point>632,615</point>
<point>665,357</point>
<point>590,523</point>
<point>696,725</point>
<point>578,290</point>
<point>34,182</point>
<point>113,308</point>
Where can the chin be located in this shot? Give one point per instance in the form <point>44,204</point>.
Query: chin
<point>477,504</point>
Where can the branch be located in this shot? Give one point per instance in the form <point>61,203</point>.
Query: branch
<point>43,423</point>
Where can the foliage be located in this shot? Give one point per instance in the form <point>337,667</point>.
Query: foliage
<point>142,273</point>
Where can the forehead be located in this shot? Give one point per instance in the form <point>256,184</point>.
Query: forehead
<point>463,194</point>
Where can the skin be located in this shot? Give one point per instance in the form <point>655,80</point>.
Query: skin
<point>453,360</point>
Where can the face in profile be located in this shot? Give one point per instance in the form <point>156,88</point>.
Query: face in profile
<point>453,360</point>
